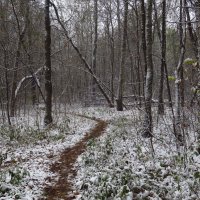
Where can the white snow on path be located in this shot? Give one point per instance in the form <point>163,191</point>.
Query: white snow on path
<point>24,171</point>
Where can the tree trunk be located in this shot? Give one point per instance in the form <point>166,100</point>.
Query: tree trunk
<point>194,41</point>
<point>48,84</point>
<point>163,60</point>
<point>94,53</point>
<point>119,29</point>
<point>123,55</point>
<point>7,87</point>
<point>179,78</point>
<point>16,62</point>
<point>192,34</point>
<point>134,90</point>
<point>138,56</point>
<point>112,51</point>
<point>148,125</point>
<point>14,80</point>
<point>197,12</point>
<point>30,59</point>
<point>144,45</point>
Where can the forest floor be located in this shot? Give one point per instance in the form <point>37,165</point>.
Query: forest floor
<point>98,153</point>
<point>64,167</point>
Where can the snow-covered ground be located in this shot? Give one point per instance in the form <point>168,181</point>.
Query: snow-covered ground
<point>27,153</point>
<point>120,165</point>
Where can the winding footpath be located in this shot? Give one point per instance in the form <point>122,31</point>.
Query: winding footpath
<point>62,188</point>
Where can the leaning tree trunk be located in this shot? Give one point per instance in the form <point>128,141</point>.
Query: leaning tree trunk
<point>88,67</point>
<point>123,55</point>
<point>48,84</point>
<point>148,125</point>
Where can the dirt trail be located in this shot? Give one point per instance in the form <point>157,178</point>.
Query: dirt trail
<point>61,189</point>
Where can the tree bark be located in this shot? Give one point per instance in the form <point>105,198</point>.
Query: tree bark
<point>7,88</point>
<point>119,29</point>
<point>144,45</point>
<point>148,125</point>
<point>48,84</point>
<point>123,55</point>
<point>138,56</point>
<point>163,60</point>
<point>16,62</point>
<point>112,50</point>
<point>178,76</point>
<point>197,12</point>
<point>30,58</point>
<point>94,53</point>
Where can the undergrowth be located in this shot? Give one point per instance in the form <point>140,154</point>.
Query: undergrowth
<point>124,166</point>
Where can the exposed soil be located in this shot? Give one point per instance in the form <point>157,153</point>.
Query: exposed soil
<point>64,167</point>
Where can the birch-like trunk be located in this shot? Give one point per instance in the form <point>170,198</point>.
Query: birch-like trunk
<point>178,75</point>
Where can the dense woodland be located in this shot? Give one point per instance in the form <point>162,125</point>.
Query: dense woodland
<point>138,55</point>
<point>130,53</point>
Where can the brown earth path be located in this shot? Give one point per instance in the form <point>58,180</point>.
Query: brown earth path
<point>62,188</point>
